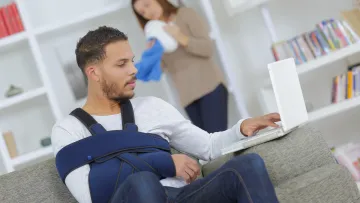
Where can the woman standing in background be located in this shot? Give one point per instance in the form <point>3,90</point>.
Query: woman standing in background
<point>198,80</point>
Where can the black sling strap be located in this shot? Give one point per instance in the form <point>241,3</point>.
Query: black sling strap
<point>127,115</point>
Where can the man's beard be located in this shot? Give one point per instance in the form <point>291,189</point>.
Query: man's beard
<point>110,91</point>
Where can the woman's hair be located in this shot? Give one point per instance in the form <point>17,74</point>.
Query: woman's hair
<point>167,7</point>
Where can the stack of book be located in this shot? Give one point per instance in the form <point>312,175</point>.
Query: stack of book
<point>347,85</point>
<point>10,20</point>
<point>328,36</point>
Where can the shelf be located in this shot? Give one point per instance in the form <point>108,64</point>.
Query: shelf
<point>234,7</point>
<point>22,97</point>
<point>325,60</point>
<point>12,39</point>
<point>334,109</point>
<point>330,58</point>
<point>269,105</point>
<point>84,18</point>
<point>32,156</point>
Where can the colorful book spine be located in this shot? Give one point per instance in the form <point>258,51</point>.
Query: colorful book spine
<point>315,52</point>
<point>351,31</point>
<point>338,34</point>
<point>17,17</point>
<point>325,34</point>
<point>315,40</point>
<point>322,41</point>
<point>300,50</point>
<point>347,85</point>
<point>3,30</point>
<point>10,20</point>
<point>279,51</point>
<point>334,89</point>
<point>349,39</point>
<point>329,35</point>
<point>304,47</point>
<point>295,52</point>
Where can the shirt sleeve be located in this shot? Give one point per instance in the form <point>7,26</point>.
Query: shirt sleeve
<point>188,138</point>
<point>200,44</point>
<point>77,180</point>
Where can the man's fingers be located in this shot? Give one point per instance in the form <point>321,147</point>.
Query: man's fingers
<point>271,124</point>
<point>275,117</point>
<point>194,167</point>
<point>186,176</point>
<point>191,174</point>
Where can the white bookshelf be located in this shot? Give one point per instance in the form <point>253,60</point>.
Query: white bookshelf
<point>41,93</point>
<point>22,97</point>
<point>32,156</point>
<point>59,25</point>
<point>316,82</point>
<point>334,109</point>
<point>11,40</point>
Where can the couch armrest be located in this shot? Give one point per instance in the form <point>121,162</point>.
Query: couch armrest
<point>298,152</point>
<point>38,183</point>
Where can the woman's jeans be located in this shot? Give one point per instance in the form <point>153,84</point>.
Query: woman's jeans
<point>244,179</point>
<point>210,112</point>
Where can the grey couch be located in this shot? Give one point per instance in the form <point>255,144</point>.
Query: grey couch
<point>300,166</point>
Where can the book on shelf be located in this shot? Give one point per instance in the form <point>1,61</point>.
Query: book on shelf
<point>10,20</point>
<point>346,85</point>
<point>10,144</point>
<point>328,36</point>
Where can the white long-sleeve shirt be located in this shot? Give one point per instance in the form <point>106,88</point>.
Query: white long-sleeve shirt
<point>152,115</point>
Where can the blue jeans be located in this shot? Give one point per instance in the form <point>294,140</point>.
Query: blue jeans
<point>210,112</point>
<point>244,179</point>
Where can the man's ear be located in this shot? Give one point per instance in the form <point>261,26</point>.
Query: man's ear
<point>93,73</point>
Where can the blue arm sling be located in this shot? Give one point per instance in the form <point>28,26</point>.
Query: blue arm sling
<point>125,145</point>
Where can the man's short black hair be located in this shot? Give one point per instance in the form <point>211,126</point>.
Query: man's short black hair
<point>91,47</point>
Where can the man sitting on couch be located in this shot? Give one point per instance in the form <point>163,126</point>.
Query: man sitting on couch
<point>147,174</point>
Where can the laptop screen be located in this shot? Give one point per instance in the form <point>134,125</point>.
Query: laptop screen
<point>288,93</point>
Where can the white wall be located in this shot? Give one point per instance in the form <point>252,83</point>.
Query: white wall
<point>249,41</point>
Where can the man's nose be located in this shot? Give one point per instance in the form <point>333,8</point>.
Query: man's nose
<point>133,70</point>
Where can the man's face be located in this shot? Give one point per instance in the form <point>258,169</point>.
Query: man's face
<point>117,72</point>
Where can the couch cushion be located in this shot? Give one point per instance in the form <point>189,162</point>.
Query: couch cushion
<point>39,183</point>
<point>297,153</point>
<point>328,184</point>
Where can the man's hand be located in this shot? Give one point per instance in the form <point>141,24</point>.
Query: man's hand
<point>186,167</point>
<point>252,125</point>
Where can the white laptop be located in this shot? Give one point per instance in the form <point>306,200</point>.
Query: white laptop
<point>290,103</point>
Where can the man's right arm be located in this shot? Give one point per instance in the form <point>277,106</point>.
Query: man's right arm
<point>77,180</point>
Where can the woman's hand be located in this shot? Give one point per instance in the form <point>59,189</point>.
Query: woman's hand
<point>176,33</point>
<point>150,44</point>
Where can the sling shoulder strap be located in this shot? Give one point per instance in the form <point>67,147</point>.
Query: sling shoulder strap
<point>127,115</point>
<point>89,122</point>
